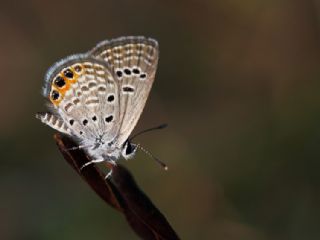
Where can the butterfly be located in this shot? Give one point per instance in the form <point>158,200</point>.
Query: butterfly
<point>97,97</point>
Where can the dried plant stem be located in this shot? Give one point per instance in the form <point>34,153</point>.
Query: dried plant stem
<point>120,192</point>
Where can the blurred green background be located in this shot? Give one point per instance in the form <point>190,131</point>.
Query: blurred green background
<point>238,82</point>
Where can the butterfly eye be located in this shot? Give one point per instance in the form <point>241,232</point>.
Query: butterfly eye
<point>129,150</point>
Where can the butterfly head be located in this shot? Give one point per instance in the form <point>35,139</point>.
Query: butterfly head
<point>101,147</point>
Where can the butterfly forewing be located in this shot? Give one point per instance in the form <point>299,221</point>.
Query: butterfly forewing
<point>84,93</point>
<point>133,62</point>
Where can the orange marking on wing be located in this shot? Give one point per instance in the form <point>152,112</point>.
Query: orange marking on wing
<point>68,83</point>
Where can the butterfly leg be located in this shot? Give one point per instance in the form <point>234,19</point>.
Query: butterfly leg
<point>112,163</point>
<point>91,162</point>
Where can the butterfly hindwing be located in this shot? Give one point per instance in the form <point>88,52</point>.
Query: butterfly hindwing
<point>83,92</point>
<point>133,62</point>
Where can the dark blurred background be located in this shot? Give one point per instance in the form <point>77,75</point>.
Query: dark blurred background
<point>238,82</point>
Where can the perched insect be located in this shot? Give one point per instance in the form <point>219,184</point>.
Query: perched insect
<point>98,97</point>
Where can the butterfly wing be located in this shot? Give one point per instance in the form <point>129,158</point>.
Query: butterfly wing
<point>82,91</point>
<point>133,62</point>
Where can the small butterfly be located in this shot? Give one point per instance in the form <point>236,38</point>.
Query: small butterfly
<point>97,97</point>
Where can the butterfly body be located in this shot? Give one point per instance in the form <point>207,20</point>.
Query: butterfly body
<point>97,97</point>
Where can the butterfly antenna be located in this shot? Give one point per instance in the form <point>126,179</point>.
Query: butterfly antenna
<point>162,164</point>
<point>162,126</point>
